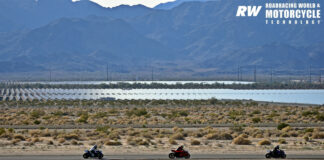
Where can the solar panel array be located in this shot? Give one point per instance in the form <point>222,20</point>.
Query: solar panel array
<point>96,94</point>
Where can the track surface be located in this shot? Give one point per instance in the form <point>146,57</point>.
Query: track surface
<point>157,157</point>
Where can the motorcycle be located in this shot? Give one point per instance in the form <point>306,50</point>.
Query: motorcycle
<point>280,154</point>
<point>88,154</point>
<point>179,154</point>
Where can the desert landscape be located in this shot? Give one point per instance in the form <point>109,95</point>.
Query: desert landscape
<point>146,127</point>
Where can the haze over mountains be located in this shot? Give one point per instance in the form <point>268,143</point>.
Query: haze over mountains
<point>192,38</point>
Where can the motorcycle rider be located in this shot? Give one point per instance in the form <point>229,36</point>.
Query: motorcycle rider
<point>93,150</point>
<point>276,150</point>
<point>180,149</point>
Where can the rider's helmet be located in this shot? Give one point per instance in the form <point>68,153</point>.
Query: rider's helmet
<point>95,146</point>
<point>181,147</point>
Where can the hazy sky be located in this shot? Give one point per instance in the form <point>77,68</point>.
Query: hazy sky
<point>114,3</point>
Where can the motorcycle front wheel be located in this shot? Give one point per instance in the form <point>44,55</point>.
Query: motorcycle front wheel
<point>187,156</point>
<point>85,156</point>
<point>268,155</point>
<point>171,155</point>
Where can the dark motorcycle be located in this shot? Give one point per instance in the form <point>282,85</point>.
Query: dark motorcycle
<point>88,154</point>
<point>179,154</point>
<point>279,154</point>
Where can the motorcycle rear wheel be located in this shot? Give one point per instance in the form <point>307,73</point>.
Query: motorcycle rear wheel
<point>268,155</point>
<point>171,155</point>
<point>188,156</point>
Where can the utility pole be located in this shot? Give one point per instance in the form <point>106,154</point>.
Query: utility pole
<point>320,78</point>
<point>310,73</point>
<point>50,78</point>
<point>271,80</point>
<point>254,73</point>
<point>241,74</point>
<point>238,73</point>
<point>107,72</point>
<point>152,76</point>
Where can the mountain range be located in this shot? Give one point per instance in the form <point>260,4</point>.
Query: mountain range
<point>194,38</point>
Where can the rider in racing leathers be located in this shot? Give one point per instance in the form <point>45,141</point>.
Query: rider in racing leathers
<point>93,150</point>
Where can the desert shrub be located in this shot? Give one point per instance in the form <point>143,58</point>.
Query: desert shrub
<point>37,122</point>
<point>50,142</point>
<point>183,113</point>
<point>318,135</point>
<point>2,131</point>
<point>11,130</point>
<point>101,115</point>
<point>178,136</point>
<point>147,135</point>
<point>137,141</point>
<point>20,137</point>
<point>256,112</point>
<point>61,140</point>
<point>137,112</point>
<point>282,141</point>
<point>237,128</point>
<point>284,135</point>
<point>45,133</point>
<point>306,138</point>
<point>172,141</point>
<point>195,142</point>
<point>83,118</point>
<point>244,136</point>
<point>286,129</point>
<point>241,141</point>
<point>264,142</point>
<point>114,135</point>
<point>282,125</point>
<point>35,140</point>
<point>309,130</point>
<point>309,113</point>
<point>113,143</point>
<point>59,113</point>
<point>104,129</point>
<point>74,142</point>
<point>15,141</point>
<point>320,117</point>
<point>256,120</point>
<point>71,136</point>
<point>37,113</point>
<point>216,136</point>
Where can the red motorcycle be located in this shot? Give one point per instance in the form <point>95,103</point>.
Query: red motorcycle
<point>179,154</point>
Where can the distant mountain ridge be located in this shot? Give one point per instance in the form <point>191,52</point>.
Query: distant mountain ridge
<point>32,14</point>
<point>193,38</point>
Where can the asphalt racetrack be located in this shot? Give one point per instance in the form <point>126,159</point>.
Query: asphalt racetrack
<point>152,157</point>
